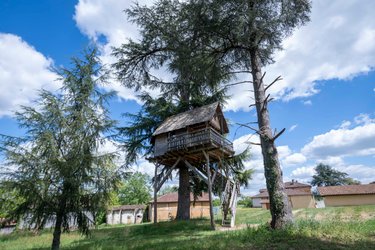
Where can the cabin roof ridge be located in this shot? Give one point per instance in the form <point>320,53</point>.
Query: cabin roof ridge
<point>190,117</point>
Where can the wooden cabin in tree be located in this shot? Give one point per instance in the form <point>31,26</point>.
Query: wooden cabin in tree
<point>188,133</point>
<point>197,139</point>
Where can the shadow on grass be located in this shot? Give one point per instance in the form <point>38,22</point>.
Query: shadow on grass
<point>197,235</point>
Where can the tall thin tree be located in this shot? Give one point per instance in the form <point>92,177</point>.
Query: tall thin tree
<point>57,167</point>
<point>245,35</point>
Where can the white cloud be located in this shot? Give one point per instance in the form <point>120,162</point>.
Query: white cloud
<point>345,124</point>
<point>343,142</point>
<point>363,119</point>
<point>336,44</point>
<point>23,72</point>
<point>293,127</point>
<point>303,172</point>
<point>284,151</point>
<point>294,159</point>
<point>307,103</point>
<point>365,174</point>
<point>98,19</point>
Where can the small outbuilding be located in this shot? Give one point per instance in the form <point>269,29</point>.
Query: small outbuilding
<point>349,195</point>
<point>299,195</point>
<point>125,214</point>
<point>167,207</point>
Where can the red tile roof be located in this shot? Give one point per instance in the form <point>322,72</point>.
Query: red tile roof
<point>293,188</point>
<point>347,190</point>
<point>173,197</point>
<point>295,184</point>
<point>289,192</point>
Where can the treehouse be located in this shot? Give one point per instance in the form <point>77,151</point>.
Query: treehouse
<point>196,139</point>
<point>188,133</point>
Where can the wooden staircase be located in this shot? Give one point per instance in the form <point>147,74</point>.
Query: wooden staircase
<point>229,203</point>
<point>228,196</point>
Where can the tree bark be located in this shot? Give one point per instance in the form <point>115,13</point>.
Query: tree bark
<point>57,230</point>
<point>279,204</point>
<point>212,221</point>
<point>156,196</point>
<point>183,208</point>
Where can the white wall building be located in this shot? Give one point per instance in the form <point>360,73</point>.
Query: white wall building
<point>126,214</point>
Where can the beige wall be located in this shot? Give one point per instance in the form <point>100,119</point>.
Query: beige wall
<point>305,201</point>
<point>168,211</point>
<point>349,200</point>
<point>300,201</point>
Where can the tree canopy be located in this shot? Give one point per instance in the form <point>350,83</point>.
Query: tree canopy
<point>57,167</point>
<point>242,36</point>
<point>327,176</point>
<point>134,190</point>
<point>167,44</point>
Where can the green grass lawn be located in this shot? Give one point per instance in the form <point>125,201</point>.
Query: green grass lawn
<point>328,228</point>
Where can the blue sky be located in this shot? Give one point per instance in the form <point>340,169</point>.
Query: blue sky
<point>326,100</point>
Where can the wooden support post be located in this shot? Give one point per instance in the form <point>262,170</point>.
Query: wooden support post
<point>214,176</point>
<point>156,194</point>
<point>160,184</point>
<point>197,172</point>
<point>210,190</point>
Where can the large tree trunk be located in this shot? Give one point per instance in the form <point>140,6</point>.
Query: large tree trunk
<point>279,205</point>
<point>183,208</point>
<point>57,231</point>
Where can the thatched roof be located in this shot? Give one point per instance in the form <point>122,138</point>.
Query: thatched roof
<point>191,117</point>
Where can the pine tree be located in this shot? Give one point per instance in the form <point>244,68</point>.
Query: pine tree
<point>57,167</point>
<point>243,35</point>
<point>166,44</point>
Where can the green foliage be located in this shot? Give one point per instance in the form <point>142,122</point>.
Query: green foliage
<point>327,176</point>
<point>237,168</point>
<point>134,190</point>
<point>216,202</point>
<point>57,167</point>
<point>245,202</point>
<point>329,233</point>
<point>9,201</point>
<point>168,43</point>
<point>234,29</point>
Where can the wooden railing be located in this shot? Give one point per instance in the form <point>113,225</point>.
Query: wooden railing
<point>197,138</point>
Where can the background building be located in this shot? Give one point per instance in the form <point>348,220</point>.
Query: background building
<point>299,195</point>
<point>349,195</point>
<point>167,207</point>
<point>126,214</point>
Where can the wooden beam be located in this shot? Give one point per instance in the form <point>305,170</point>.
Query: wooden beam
<point>210,190</point>
<point>160,184</point>
<point>196,171</point>
<point>214,176</point>
<point>155,194</point>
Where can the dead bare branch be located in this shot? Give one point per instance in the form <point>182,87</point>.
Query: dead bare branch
<point>264,74</point>
<point>280,133</point>
<point>254,143</point>
<point>247,126</point>
<point>251,105</point>
<point>272,83</point>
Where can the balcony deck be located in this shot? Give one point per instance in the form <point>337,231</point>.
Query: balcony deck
<point>191,144</point>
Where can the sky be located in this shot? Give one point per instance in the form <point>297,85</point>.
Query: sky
<point>326,100</point>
